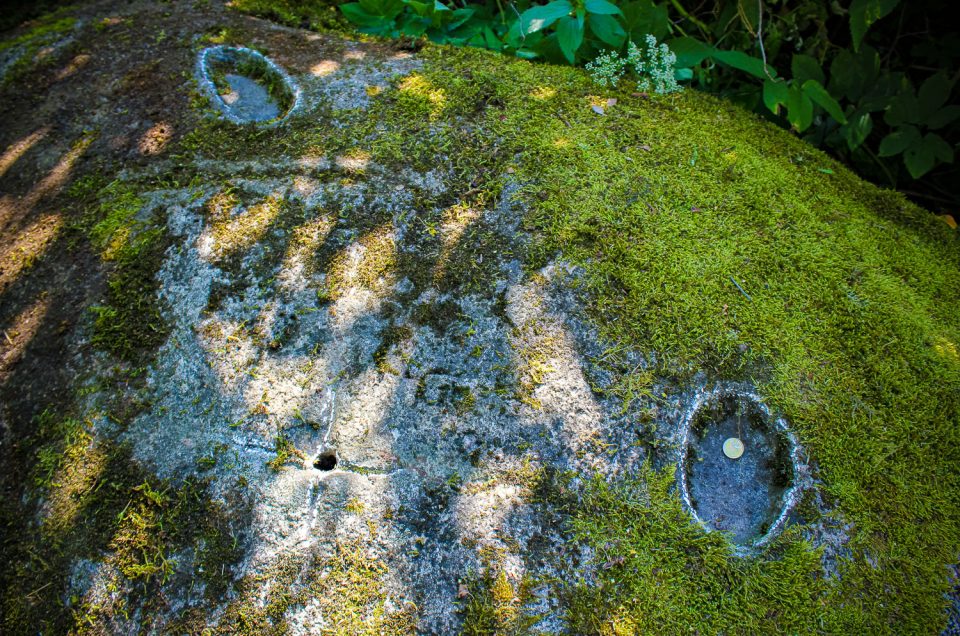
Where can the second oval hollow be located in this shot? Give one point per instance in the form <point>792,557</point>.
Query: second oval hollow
<point>748,495</point>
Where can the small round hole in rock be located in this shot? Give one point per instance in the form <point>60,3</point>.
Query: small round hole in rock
<point>325,461</point>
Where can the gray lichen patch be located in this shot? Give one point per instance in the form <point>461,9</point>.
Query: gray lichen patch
<point>354,399</point>
<point>748,495</point>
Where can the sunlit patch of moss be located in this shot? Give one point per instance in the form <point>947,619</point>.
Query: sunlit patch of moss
<point>455,222</point>
<point>534,346</point>
<point>347,587</point>
<point>129,322</point>
<point>68,470</point>
<point>235,233</point>
<point>493,604</point>
<point>304,243</point>
<point>371,266</point>
<point>418,94</point>
<point>543,93</point>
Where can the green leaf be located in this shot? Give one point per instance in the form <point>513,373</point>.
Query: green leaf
<point>536,18</point>
<point>413,25</point>
<point>689,51</point>
<point>569,37</point>
<point>459,17</point>
<point>920,158</point>
<point>491,39</point>
<point>608,29</point>
<point>899,140</point>
<point>864,13</point>
<point>389,9</point>
<point>683,74</point>
<point>844,78</point>
<point>806,68</point>
<point>741,61</point>
<point>643,16</point>
<point>903,109</point>
<point>799,109</point>
<point>775,95</point>
<point>943,117</point>
<point>420,8</point>
<point>819,95</point>
<point>602,7</point>
<point>439,6</point>
<point>858,127</point>
<point>941,149</point>
<point>358,15</point>
<point>933,94</point>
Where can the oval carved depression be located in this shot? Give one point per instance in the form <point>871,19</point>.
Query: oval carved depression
<point>748,497</point>
<point>245,85</point>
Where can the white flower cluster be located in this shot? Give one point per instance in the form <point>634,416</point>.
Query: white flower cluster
<point>607,68</point>
<point>653,65</point>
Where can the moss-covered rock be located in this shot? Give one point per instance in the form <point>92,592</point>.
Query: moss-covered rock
<point>493,306</point>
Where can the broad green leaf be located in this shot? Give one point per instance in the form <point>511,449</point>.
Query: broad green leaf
<point>459,17</point>
<point>943,117</point>
<point>806,68</point>
<point>741,61</point>
<point>903,109</point>
<point>864,13</point>
<point>749,13</point>
<point>641,17</point>
<point>413,25</point>
<point>844,76</point>
<point>384,8</point>
<point>799,109</point>
<point>601,7</point>
<point>527,54</point>
<point>540,17</point>
<point>919,159</point>
<point>420,8</point>
<point>608,30</point>
<point>683,74</point>
<point>689,51</point>
<point>941,149</point>
<point>491,39</point>
<point>858,127</point>
<point>439,6</point>
<point>775,95</point>
<point>358,15</point>
<point>899,140</point>
<point>569,37</point>
<point>933,94</point>
<point>819,95</point>
<point>878,95</point>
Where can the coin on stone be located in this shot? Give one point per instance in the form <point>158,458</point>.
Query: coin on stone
<point>733,448</point>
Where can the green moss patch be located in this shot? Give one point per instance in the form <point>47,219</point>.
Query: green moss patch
<point>129,323</point>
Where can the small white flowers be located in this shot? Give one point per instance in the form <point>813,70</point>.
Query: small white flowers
<point>607,68</point>
<point>653,66</point>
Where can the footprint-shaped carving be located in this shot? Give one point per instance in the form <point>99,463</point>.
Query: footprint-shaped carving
<point>741,470</point>
<point>245,85</point>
